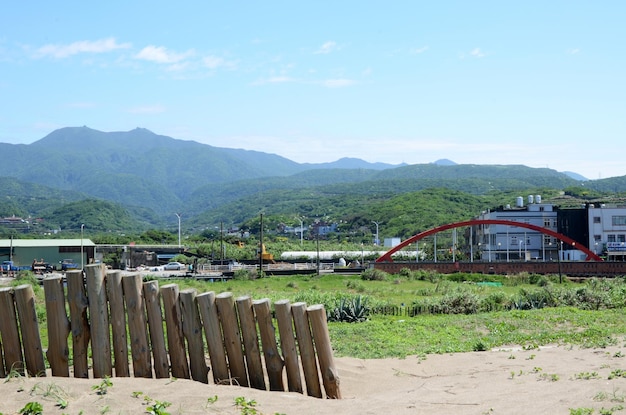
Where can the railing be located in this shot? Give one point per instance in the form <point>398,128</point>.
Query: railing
<point>110,312</point>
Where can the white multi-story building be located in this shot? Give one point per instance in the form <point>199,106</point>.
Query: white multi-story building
<point>514,243</point>
<point>607,230</point>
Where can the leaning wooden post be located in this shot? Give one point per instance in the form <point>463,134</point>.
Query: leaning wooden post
<point>307,352</point>
<point>192,329</point>
<point>58,327</point>
<point>155,326</point>
<point>319,326</point>
<point>273,362</point>
<point>99,315</point>
<point>77,299</point>
<point>9,332</point>
<point>288,345</point>
<point>137,329</point>
<point>250,342</point>
<point>118,322</point>
<point>3,373</point>
<point>213,334</point>
<point>33,354</point>
<point>232,340</point>
<point>174,325</point>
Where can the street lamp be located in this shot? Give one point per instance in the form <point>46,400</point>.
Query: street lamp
<point>82,255</point>
<point>178,216</point>
<point>376,240</point>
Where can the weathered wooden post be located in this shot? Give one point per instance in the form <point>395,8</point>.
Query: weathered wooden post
<point>9,332</point>
<point>33,354</point>
<point>192,329</point>
<point>319,326</point>
<point>77,299</point>
<point>250,342</point>
<point>213,334</point>
<point>155,326</point>
<point>274,364</point>
<point>232,340</point>
<point>288,345</point>
<point>118,322</point>
<point>99,315</point>
<point>174,325</point>
<point>58,327</point>
<point>307,352</point>
<point>137,329</point>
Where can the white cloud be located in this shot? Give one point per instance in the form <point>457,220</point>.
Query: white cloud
<point>162,55</point>
<point>573,51</point>
<point>147,109</point>
<point>84,46</point>
<point>477,53</point>
<point>326,48</point>
<point>213,62</point>
<point>338,83</point>
<point>274,80</point>
<point>417,51</point>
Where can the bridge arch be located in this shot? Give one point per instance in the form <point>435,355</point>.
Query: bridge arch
<point>591,256</point>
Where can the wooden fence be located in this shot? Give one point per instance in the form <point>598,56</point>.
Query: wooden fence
<point>170,333</point>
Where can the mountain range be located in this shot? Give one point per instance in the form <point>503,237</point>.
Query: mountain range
<point>155,175</point>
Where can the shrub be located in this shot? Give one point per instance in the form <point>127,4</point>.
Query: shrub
<point>350,310</point>
<point>373,274</point>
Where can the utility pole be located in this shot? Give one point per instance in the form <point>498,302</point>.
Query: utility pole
<point>178,216</point>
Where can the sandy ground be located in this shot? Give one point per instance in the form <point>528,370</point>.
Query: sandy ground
<point>549,380</point>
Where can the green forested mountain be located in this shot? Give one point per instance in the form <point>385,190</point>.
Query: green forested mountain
<point>140,180</point>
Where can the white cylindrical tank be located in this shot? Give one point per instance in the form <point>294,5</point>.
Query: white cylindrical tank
<point>519,202</point>
<point>538,198</point>
<point>531,199</point>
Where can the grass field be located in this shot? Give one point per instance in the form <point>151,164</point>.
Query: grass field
<point>462,314</point>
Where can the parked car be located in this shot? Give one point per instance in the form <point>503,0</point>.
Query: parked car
<point>174,266</point>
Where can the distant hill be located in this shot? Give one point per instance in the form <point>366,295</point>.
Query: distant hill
<point>153,176</point>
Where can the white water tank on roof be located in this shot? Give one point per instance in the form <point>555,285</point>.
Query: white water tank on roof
<point>519,202</point>
<point>531,199</point>
<point>538,198</point>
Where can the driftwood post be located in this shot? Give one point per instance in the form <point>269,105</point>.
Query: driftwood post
<point>213,334</point>
<point>250,342</point>
<point>79,324</point>
<point>273,362</point>
<point>9,332</point>
<point>319,326</point>
<point>288,345</point>
<point>33,354</point>
<point>175,337</point>
<point>118,322</point>
<point>137,329</point>
<point>58,327</point>
<point>307,352</point>
<point>155,327</point>
<point>99,315</point>
<point>232,340</point>
<point>192,329</point>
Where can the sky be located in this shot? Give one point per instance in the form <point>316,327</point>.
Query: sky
<point>538,83</point>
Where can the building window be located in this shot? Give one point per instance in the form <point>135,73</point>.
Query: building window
<point>596,219</point>
<point>621,237</point>
<point>618,220</point>
<point>597,238</point>
<point>546,223</point>
<point>610,237</point>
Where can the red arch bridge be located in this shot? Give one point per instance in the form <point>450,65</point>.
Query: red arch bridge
<point>593,265</point>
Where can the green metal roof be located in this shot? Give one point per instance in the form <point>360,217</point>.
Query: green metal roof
<point>34,243</point>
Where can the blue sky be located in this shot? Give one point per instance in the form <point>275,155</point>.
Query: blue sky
<point>539,83</point>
